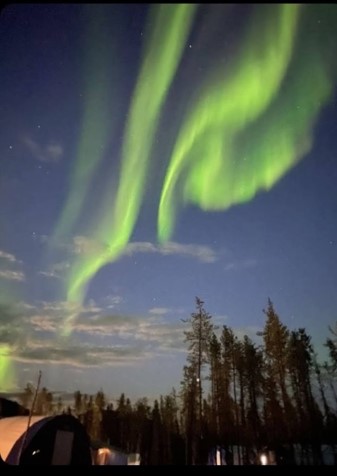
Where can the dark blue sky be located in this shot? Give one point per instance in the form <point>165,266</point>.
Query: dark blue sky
<point>282,244</point>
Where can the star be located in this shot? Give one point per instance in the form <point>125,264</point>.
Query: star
<point>38,126</point>
<point>11,147</point>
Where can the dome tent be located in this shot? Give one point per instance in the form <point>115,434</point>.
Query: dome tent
<point>56,440</point>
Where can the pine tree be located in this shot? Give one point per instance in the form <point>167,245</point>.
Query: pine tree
<point>229,410</point>
<point>59,405</point>
<point>279,413</point>
<point>253,375</point>
<point>216,386</point>
<point>300,366</point>
<point>276,336</point>
<point>198,339</point>
<point>169,417</point>
<point>189,397</point>
<point>78,404</point>
<point>44,402</point>
<point>27,396</point>
<point>156,449</point>
<point>331,343</point>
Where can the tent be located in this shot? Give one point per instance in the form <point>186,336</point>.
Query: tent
<point>56,440</point>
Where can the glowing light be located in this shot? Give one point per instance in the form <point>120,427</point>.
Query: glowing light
<point>228,105</point>
<point>167,32</point>
<point>250,123</point>
<point>245,132</point>
<point>96,123</point>
<point>6,370</point>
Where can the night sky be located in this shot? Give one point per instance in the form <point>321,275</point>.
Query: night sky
<point>152,154</point>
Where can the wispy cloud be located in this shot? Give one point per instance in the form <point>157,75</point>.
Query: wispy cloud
<point>237,265</point>
<point>131,339</point>
<point>79,245</point>
<point>10,318</point>
<point>49,274</point>
<point>112,301</point>
<point>56,270</point>
<point>51,152</point>
<point>9,274</point>
<point>159,311</point>
<point>204,254</point>
<point>86,246</point>
<point>12,275</point>
<point>66,306</point>
<point>79,355</point>
<point>151,330</point>
<point>9,257</point>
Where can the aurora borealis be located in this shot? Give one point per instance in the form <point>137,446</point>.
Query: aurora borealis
<point>152,153</point>
<point>226,162</point>
<point>165,37</point>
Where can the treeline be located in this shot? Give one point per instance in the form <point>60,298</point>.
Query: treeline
<point>234,393</point>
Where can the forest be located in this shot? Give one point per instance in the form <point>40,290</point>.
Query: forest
<point>236,394</point>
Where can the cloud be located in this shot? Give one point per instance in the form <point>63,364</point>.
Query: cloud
<point>51,152</point>
<point>112,301</point>
<point>234,266</point>
<point>82,245</point>
<point>8,274</point>
<point>10,318</point>
<point>31,332</point>
<point>49,274</point>
<point>150,330</point>
<point>56,270</point>
<point>9,257</point>
<point>204,254</point>
<point>159,311</point>
<point>62,307</point>
<point>12,275</point>
<point>79,355</point>
<point>143,334</point>
<point>79,245</point>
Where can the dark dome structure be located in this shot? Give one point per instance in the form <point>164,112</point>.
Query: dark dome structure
<point>56,440</point>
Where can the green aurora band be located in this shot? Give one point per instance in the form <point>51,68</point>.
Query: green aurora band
<point>96,123</point>
<point>251,126</point>
<point>168,30</point>
<point>6,368</point>
<point>8,329</point>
